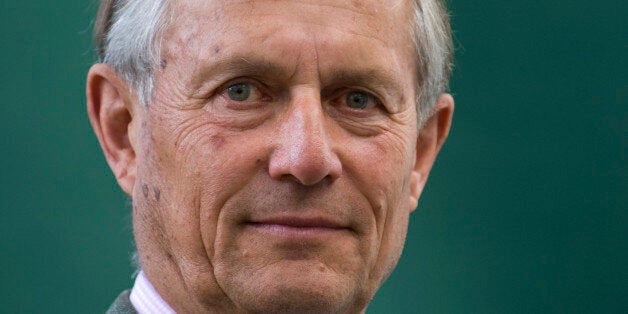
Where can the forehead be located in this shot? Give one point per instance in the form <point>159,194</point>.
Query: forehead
<point>306,10</point>
<point>366,34</point>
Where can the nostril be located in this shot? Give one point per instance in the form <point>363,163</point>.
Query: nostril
<point>307,167</point>
<point>310,172</point>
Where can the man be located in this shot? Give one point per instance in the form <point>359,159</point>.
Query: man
<point>274,150</point>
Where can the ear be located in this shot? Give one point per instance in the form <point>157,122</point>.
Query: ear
<point>431,138</point>
<point>110,110</point>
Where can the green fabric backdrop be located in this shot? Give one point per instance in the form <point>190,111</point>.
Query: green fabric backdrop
<point>525,211</point>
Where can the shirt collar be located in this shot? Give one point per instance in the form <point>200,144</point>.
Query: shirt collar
<point>145,298</point>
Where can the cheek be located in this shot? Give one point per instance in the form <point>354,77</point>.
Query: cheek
<point>381,167</point>
<point>168,192</point>
<point>381,170</point>
<point>187,170</point>
<point>207,164</point>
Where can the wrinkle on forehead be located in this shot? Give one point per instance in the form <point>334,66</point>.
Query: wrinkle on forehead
<point>383,14</point>
<point>204,22</point>
<point>356,6</point>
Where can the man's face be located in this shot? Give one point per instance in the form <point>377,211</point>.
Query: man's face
<point>274,162</point>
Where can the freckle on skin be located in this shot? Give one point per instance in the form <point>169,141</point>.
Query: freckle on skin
<point>164,64</point>
<point>157,193</point>
<point>216,49</point>
<point>145,189</point>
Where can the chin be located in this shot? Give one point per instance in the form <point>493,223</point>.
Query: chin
<point>289,299</point>
<point>305,291</point>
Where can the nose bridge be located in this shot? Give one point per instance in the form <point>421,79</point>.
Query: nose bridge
<point>305,121</point>
<point>304,147</point>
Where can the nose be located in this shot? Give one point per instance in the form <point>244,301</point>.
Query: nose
<point>303,147</point>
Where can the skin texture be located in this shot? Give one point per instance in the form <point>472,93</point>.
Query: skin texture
<point>288,201</point>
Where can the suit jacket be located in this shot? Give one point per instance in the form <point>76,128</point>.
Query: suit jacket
<point>122,304</point>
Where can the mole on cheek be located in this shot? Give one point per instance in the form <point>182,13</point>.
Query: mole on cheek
<point>157,193</point>
<point>145,189</point>
<point>216,49</point>
<point>164,64</point>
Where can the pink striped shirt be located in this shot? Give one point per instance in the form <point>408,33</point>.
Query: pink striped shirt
<point>145,298</point>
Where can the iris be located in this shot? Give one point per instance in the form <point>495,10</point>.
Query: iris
<point>357,100</point>
<point>239,92</point>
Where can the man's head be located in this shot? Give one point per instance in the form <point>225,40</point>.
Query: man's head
<point>271,148</point>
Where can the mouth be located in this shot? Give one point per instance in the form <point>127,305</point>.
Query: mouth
<point>291,227</point>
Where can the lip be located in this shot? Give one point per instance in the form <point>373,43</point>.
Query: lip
<point>291,226</point>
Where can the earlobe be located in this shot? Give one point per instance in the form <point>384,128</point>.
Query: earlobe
<point>416,187</point>
<point>110,111</point>
<point>429,142</point>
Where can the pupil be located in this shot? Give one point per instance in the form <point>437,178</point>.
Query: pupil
<point>357,100</point>
<point>239,92</point>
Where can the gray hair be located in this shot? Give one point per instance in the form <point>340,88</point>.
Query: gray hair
<point>128,36</point>
<point>434,47</point>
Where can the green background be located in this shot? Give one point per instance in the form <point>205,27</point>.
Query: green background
<point>525,211</point>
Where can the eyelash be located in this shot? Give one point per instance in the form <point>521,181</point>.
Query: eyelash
<point>370,98</point>
<point>257,95</point>
<point>339,101</point>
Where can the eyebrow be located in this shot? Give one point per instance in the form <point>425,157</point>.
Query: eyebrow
<point>239,65</point>
<point>380,78</point>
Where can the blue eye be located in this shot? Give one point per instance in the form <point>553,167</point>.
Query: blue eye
<point>357,100</point>
<point>239,92</point>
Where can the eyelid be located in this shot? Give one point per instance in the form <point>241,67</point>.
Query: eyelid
<point>342,94</point>
<point>257,87</point>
